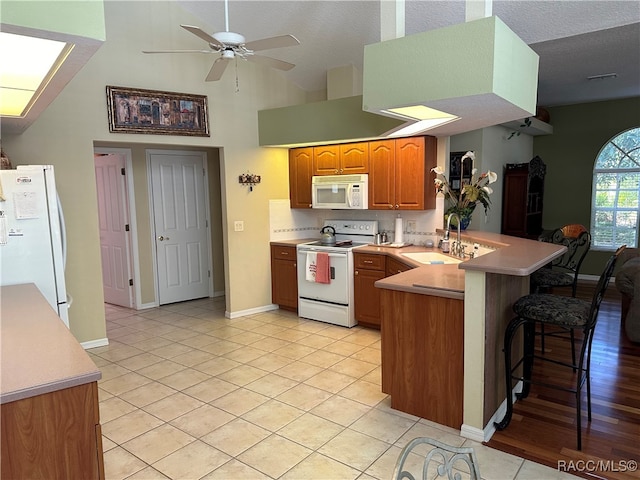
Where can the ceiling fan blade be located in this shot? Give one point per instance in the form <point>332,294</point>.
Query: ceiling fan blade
<point>179,51</point>
<point>272,42</point>
<point>198,32</point>
<point>217,69</point>
<point>270,62</point>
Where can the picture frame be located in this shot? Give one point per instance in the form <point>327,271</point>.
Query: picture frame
<point>135,110</point>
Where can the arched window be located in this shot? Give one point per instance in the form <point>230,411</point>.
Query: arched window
<point>615,206</point>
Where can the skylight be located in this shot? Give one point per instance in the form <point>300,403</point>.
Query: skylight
<point>28,64</point>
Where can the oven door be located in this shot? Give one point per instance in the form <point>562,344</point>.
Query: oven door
<point>337,290</point>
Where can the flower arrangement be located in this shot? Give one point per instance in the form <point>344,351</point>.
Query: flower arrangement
<point>465,200</point>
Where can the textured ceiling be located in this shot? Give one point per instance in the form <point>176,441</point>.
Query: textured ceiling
<point>574,39</point>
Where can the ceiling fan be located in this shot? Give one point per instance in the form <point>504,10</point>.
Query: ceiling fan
<point>232,46</point>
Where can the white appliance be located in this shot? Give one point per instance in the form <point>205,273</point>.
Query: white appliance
<point>333,302</point>
<point>343,192</point>
<point>32,237</point>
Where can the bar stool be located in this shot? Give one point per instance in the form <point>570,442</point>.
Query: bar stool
<point>563,271</point>
<point>569,313</point>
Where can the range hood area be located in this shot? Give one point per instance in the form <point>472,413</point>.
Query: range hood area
<point>479,71</point>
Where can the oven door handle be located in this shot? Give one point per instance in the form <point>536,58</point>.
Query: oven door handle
<point>340,254</point>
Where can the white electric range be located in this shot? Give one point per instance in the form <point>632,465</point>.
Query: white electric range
<point>333,302</point>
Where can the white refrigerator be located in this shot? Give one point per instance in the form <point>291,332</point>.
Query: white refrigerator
<point>32,236</point>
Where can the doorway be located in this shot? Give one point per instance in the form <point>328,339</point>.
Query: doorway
<point>114,222</point>
<point>181,235</point>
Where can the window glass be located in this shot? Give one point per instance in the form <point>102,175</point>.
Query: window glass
<point>616,193</point>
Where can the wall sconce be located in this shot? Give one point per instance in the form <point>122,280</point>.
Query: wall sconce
<point>249,180</point>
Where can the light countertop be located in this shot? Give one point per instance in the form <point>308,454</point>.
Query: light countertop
<point>512,256</point>
<point>38,353</point>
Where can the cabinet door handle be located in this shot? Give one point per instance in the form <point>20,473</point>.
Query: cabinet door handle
<point>397,206</point>
<point>367,261</point>
<point>356,272</point>
<point>390,206</point>
<point>294,265</point>
<point>284,253</point>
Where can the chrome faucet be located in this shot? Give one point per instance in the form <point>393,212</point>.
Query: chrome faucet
<point>457,248</point>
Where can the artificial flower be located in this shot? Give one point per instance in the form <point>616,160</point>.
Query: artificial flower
<point>470,194</point>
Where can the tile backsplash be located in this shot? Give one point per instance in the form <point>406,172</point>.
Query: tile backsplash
<point>288,223</point>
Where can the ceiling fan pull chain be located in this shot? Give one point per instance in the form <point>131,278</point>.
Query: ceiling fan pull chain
<point>237,83</point>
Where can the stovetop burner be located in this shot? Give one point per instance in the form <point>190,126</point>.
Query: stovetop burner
<point>339,244</point>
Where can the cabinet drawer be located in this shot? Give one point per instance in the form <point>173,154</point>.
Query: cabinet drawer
<point>368,261</point>
<point>283,253</point>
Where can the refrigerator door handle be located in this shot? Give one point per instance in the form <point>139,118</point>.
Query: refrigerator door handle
<point>63,231</point>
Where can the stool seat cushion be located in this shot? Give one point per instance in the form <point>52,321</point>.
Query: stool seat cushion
<point>547,277</point>
<point>553,309</point>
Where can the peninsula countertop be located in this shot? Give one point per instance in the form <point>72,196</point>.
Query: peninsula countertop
<point>38,353</point>
<point>512,256</point>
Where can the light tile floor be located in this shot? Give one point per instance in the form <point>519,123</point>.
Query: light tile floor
<point>189,394</point>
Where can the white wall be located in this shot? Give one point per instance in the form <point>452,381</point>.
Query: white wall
<point>65,133</point>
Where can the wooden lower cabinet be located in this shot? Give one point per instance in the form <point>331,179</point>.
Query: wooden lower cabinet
<point>55,435</point>
<point>367,270</point>
<point>394,266</point>
<point>284,277</point>
<point>423,355</point>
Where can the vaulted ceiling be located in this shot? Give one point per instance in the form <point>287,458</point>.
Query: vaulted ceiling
<point>574,38</point>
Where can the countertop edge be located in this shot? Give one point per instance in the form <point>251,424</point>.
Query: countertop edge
<point>50,387</point>
<point>39,354</point>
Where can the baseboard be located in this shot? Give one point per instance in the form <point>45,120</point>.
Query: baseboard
<point>144,306</point>
<point>218,294</point>
<point>251,311</point>
<point>484,435</point>
<point>101,342</point>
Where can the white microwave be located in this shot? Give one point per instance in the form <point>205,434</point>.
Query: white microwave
<point>342,192</point>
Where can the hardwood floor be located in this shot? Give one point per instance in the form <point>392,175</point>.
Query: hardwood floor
<point>543,425</point>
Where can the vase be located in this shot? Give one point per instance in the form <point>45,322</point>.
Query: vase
<point>463,213</point>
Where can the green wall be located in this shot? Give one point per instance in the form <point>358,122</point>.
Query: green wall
<point>579,132</point>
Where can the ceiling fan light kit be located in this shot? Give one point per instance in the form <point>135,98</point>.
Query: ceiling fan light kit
<point>231,45</point>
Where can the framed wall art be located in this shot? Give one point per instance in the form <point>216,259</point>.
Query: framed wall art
<point>134,110</point>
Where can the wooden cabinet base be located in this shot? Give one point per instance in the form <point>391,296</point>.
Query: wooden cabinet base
<point>422,355</point>
<point>54,435</point>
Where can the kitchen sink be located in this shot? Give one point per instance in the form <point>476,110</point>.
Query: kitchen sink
<point>431,258</point>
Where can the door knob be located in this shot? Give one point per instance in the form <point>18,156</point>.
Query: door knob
<point>161,238</point>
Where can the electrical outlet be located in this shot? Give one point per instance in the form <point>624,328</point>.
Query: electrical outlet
<point>411,225</point>
<point>238,226</point>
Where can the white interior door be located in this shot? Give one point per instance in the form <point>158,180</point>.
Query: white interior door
<point>113,220</point>
<point>180,221</point>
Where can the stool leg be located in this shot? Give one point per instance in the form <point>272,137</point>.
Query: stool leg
<point>542,337</point>
<point>573,350</point>
<point>527,365</point>
<point>508,338</point>
<point>579,415</point>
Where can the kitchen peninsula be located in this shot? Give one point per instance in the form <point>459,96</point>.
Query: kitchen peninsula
<point>442,331</point>
<point>49,393</point>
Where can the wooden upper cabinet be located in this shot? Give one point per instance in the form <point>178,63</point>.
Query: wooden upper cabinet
<point>341,159</point>
<point>410,174</point>
<point>382,185</point>
<point>401,177</point>
<point>326,160</point>
<point>354,158</point>
<point>300,172</point>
